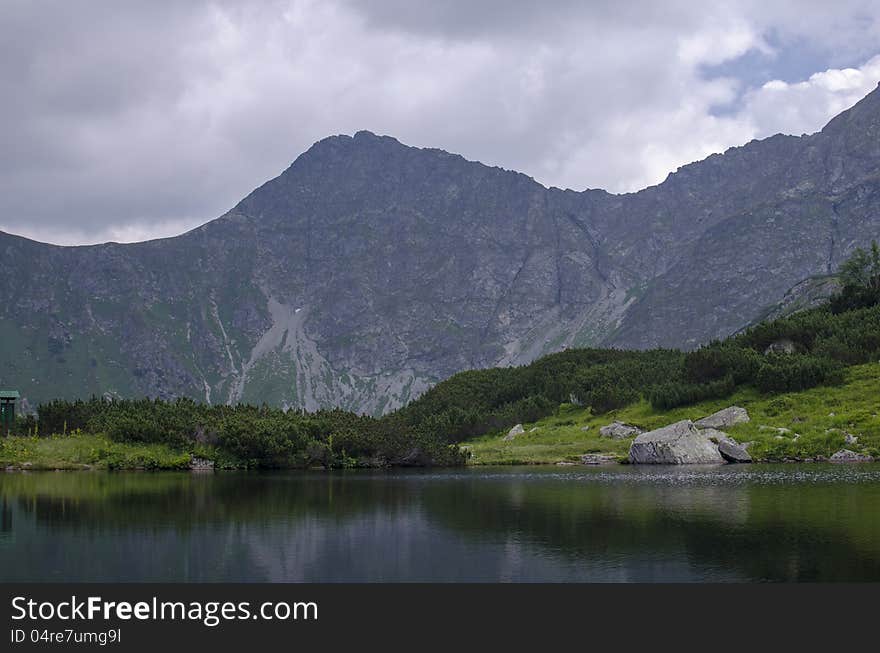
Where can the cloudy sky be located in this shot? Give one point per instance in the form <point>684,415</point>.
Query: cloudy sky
<point>140,119</point>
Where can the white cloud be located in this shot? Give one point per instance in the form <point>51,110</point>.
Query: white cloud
<point>721,42</point>
<point>126,121</point>
<point>803,107</point>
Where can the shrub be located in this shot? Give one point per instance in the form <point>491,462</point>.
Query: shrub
<point>672,395</point>
<point>719,361</point>
<point>791,373</point>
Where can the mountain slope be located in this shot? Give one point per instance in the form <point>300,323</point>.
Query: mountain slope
<point>369,270</point>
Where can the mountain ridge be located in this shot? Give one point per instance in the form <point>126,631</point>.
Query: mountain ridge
<point>368,270</point>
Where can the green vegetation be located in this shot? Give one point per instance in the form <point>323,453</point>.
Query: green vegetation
<point>231,436</point>
<point>81,451</point>
<point>821,417</point>
<point>770,367</point>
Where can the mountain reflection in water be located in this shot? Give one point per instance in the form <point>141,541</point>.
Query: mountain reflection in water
<point>731,523</point>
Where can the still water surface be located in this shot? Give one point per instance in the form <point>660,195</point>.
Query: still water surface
<point>731,523</point>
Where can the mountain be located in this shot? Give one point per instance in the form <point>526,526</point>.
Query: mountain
<point>369,270</point>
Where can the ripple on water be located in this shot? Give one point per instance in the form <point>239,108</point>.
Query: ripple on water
<point>723,475</point>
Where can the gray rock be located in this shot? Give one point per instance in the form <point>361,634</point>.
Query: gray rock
<point>723,418</point>
<point>732,452</point>
<point>677,444</point>
<point>715,435</point>
<point>619,431</point>
<point>849,438</point>
<point>512,433</point>
<point>200,464</point>
<point>781,346</point>
<point>847,456</point>
<point>585,428</point>
<point>598,459</point>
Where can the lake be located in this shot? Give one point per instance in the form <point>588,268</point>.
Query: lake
<point>618,524</point>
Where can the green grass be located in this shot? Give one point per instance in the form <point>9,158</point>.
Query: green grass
<point>814,414</point>
<point>81,451</point>
<point>852,407</point>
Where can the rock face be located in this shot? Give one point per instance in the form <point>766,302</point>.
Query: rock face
<point>680,443</point>
<point>847,456</point>
<point>512,433</point>
<point>458,265</point>
<point>619,431</point>
<point>723,418</point>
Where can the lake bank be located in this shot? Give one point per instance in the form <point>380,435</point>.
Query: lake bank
<point>81,452</point>
<point>790,427</point>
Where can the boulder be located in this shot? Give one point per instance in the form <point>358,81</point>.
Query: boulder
<point>512,433</point>
<point>200,464</point>
<point>733,452</point>
<point>847,456</point>
<point>619,431</point>
<point>781,346</point>
<point>715,435</point>
<point>680,443</point>
<point>585,428</point>
<point>723,418</point>
<point>598,459</point>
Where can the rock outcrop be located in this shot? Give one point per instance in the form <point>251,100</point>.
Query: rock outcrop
<point>723,418</point>
<point>619,431</point>
<point>680,443</point>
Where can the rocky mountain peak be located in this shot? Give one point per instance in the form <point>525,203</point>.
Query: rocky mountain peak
<point>369,270</point>
<point>862,119</point>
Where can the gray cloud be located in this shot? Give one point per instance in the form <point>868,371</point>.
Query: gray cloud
<point>141,119</point>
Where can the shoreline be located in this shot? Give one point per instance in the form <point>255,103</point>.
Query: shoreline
<point>63,466</point>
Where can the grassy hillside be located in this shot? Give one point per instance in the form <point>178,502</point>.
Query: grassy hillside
<point>820,416</point>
